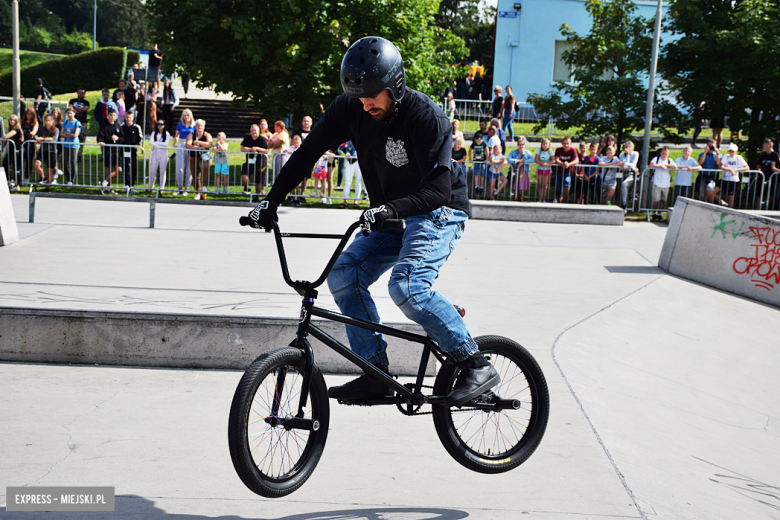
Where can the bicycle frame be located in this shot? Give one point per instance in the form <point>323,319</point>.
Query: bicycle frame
<point>309,292</point>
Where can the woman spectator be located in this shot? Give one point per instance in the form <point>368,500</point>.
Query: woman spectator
<point>199,144</point>
<point>508,113</point>
<point>169,102</point>
<point>264,131</point>
<point>30,129</point>
<point>456,133</point>
<point>280,141</point>
<point>183,130</point>
<point>12,151</point>
<point>160,140</point>
<point>608,141</point>
<point>450,106</point>
<point>151,109</point>
<point>47,136</point>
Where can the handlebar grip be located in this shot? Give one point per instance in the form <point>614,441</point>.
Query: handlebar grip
<point>394,223</point>
<point>245,221</point>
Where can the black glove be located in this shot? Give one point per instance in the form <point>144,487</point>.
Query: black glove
<point>261,216</point>
<point>373,219</point>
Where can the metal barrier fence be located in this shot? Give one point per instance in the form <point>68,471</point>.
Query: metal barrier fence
<point>581,184</point>
<point>773,192</point>
<point>7,108</point>
<point>749,192</point>
<point>105,166</point>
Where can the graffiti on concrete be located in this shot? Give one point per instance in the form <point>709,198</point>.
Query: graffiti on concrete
<point>728,227</point>
<point>763,265</point>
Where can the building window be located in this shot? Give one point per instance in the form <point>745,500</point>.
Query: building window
<point>561,71</point>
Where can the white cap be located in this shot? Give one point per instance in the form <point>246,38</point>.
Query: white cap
<point>734,147</point>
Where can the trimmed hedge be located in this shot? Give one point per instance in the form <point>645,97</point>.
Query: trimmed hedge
<point>91,70</point>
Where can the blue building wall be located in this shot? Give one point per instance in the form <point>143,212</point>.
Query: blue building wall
<point>525,45</point>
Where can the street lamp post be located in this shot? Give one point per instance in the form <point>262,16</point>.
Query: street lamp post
<point>651,85</point>
<point>16,80</point>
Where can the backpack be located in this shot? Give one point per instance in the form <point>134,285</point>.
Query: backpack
<point>46,93</point>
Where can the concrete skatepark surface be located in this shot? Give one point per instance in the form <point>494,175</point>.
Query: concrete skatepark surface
<point>663,392</point>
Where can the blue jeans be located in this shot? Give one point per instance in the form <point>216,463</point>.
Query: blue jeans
<point>506,124</point>
<point>415,255</point>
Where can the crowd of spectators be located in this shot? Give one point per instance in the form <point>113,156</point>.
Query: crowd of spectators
<point>590,173</point>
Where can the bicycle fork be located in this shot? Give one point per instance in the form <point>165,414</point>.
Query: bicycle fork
<point>297,422</point>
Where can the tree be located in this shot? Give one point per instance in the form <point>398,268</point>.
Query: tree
<point>728,55</point>
<point>287,60</point>
<point>610,66</point>
<point>472,21</point>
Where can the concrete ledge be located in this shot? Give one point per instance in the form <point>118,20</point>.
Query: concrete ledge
<point>731,250</point>
<point>173,340</point>
<point>547,212</point>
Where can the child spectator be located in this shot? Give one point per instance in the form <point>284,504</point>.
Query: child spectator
<point>459,154</point>
<point>609,175</point>
<point>683,185</point>
<point>521,161</point>
<point>319,174</point>
<point>220,149</point>
<point>544,159</point>
<point>565,158</point>
<point>160,139</point>
<point>47,155</point>
<point>731,164</point>
<point>478,156</point>
<point>497,162</point>
<point>629,158</point>
<point>662,179</point>
<point>709,160</point>
<point>590,175</point>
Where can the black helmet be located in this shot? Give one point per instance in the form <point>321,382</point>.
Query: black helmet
<point>371,65</point>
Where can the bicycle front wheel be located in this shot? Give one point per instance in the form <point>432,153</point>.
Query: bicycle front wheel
<point>271,460</point>
<point>496,441</point>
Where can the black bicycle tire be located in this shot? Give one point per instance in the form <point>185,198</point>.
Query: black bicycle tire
<point>537,421</point>
<point>239,421</point>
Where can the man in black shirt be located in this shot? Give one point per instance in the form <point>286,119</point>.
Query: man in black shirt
<point>81,106</point>
<point>303,132</point>
<point>498,102</point>
<point>404,145</point>
<point>133,135</point>
<point>769,164</point>
<point>155,60</point>
<point>41,94</point>
<point>110,134</point>
<point>256,164</point>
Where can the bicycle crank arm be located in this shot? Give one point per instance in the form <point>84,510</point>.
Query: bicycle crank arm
<point>296,423</point>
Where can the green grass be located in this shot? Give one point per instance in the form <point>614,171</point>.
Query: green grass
<point>26,59</point>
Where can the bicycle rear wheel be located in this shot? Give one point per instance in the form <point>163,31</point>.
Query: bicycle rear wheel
<point>496,441</point>
<point>273,461</point>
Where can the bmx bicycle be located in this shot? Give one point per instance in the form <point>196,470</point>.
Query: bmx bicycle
<point>280,413</point>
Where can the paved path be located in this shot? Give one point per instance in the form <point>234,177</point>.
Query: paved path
<point>664,392</point>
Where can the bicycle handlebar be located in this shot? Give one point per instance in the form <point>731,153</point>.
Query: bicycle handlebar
<point>302,286</point>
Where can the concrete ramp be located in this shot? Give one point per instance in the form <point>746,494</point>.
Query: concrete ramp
<point>726,249</point>
<point>547,212</point>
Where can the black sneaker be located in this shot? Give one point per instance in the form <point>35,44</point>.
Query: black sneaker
<point>363,388</point>
<point>471,383</point>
